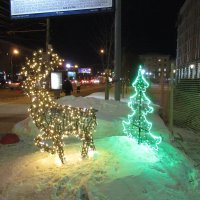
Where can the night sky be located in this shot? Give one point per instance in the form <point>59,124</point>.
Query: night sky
<point>148,26</point>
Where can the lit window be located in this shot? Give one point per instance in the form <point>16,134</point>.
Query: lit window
<point>198,70</point>
<point>192,66</point>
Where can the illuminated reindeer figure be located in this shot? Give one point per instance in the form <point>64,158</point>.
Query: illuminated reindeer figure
<point>55,121</point>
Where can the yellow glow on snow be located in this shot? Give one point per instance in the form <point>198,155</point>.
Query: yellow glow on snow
<point>57,161</point>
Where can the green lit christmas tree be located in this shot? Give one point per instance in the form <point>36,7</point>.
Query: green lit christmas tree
<point>137,126</point>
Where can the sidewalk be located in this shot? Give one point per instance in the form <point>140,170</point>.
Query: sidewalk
<point>189,143</point>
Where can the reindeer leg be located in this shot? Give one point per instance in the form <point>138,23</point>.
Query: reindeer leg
<point>91,143</point>
<point>58,143</point>
<point>89,140</point>
<point>84,151</point>
<point>87,143</point>
<point>61,154</point>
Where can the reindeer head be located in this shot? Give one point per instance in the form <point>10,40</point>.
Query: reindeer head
<point>37,69</point>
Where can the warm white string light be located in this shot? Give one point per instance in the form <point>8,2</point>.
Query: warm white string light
<point>55,121</point>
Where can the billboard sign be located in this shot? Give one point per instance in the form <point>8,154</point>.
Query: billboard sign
<point>84,70</point>
<point>56,80</point>
<point>71,75</point>
<point>46,8</point>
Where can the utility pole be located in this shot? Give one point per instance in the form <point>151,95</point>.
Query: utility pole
<point>56,92</point>
<point>47,33</point>
<point>117,58</point>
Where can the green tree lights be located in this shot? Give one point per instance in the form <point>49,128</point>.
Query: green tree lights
<point>137,126</point>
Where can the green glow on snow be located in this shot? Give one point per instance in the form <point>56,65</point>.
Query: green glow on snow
<point>137,126</point>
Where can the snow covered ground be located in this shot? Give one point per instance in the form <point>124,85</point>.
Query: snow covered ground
<point>120,169</point>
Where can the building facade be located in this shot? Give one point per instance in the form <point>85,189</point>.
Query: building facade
<point>156,66</point>
<point>188,41</point>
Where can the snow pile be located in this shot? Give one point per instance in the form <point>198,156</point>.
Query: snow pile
<point>118,169</point>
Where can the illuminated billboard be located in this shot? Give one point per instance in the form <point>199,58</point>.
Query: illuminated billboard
<point>45,8</point>
<point>56,80</point>
<point>71,75</point>
<point>84,70</point>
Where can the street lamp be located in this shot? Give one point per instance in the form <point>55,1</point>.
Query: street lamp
<point>102,51</point>
<point>13,53</point>
<point>68,65</point>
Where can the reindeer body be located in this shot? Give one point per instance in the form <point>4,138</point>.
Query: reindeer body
<point>55,121</point>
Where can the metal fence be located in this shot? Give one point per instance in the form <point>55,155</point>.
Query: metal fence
<point>187,104</point>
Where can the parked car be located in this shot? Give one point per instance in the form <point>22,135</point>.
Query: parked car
<point>13,84</point>
<point>2,83</point>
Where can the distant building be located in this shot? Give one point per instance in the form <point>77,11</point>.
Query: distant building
<point>156,66</point>
<point>188,41</point>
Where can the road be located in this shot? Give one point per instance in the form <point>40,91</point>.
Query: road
<point>14,105</point>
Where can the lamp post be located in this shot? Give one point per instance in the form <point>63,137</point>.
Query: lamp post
<point>13,52</point>
<point>102,52</point>
<point>117,56</point>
